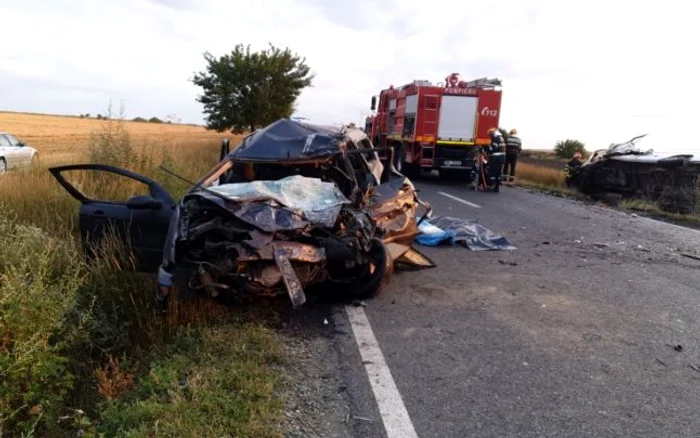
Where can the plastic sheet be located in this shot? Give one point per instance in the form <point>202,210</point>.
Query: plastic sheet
<point>319,202</point>
<point>451,230</point>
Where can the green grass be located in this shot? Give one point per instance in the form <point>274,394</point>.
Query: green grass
<point>210,382</point>
<point>651,209</point>
<point>83,349</point>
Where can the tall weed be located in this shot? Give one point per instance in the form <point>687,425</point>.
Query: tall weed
<point>40,280</point>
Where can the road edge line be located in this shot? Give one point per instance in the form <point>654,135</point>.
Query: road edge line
<point>463,201</point>
<point>397,423</point>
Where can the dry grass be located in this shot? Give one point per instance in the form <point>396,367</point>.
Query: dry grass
<point>36,198</point>
<point>61,139</point>
<point>540,175</point>
<point>539,154</point>
<point>63,322</point>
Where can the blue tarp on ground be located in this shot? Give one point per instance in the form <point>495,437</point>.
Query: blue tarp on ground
<point>444,229</point>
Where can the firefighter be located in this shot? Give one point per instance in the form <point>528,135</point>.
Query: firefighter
<point>513,148</point>
<point>572,167</point>
<point>490,160</point>
<point>495,166</point>
<point>496,139</point>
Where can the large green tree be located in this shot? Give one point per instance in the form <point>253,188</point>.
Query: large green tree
<point>567,148</point>
<point>244,90</point>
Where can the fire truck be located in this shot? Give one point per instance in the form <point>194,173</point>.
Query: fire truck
<point>435,126</point>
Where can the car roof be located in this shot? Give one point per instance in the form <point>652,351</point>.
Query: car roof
<point>291,140</point>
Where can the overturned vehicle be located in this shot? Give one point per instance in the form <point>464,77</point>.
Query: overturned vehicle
<point>625,170</point>
<point>294,207</point>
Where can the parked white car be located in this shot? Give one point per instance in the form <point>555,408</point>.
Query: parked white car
<point>15,154</point>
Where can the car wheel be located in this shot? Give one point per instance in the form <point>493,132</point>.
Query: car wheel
<point>376,280</point>
<point>3,166</point>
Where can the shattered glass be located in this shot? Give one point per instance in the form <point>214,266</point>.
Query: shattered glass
<point>319,202</point>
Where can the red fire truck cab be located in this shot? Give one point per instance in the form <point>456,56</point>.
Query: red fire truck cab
<point>436,126</point>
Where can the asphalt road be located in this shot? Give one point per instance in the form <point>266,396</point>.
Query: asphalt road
<point>570,335</point>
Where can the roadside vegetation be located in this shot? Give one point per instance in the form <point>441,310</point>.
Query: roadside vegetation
<point>83,349</point>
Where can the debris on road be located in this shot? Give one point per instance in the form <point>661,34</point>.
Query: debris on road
<point>677,347</point>
<point>661,362</point>
<point>695,368</point>
<point>641,248</point>
<point>469,233</point>
<point>690,256</point>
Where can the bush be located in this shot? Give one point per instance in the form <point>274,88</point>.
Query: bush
<point>139,119</point>
<point>40,320</point>
<point>566,148</point>
<point>155,120</point>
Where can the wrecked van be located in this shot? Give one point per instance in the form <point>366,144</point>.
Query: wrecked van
<point>295,207</point>
<point>626,170</point>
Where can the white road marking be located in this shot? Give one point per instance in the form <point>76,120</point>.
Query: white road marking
<point>397,423</point>
<point>463,201</point>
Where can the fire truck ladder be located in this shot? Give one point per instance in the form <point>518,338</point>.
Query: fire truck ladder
<point>429,149</point>
<point>484,83</point>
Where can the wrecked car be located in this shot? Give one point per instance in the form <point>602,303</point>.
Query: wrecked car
<point>295,207</point>
<point>626,170</point>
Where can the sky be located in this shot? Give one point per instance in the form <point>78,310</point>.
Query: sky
<point>596,71</point>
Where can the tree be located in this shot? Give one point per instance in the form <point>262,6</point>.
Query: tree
<point>172,118</point>
<point>155,120</point>
<point>244,90</point>
<point>566,148</point>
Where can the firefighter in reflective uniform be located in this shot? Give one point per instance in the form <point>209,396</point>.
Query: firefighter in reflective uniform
<point>513,148</point>
<point>572,167</point>
<point>490,161</point>
<point>497,158</point>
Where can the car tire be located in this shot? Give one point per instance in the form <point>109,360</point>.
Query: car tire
<point>377,280</point>
<point>3,166</point>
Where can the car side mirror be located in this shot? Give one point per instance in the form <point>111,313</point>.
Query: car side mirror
<point>21,144</point>
<point>144,203</point>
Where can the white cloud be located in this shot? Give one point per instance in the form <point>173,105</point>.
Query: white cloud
<point>582,70</point>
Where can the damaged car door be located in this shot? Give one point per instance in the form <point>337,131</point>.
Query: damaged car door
<point>113,200</point>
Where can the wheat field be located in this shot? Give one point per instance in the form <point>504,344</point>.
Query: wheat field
<point>61,139</point>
